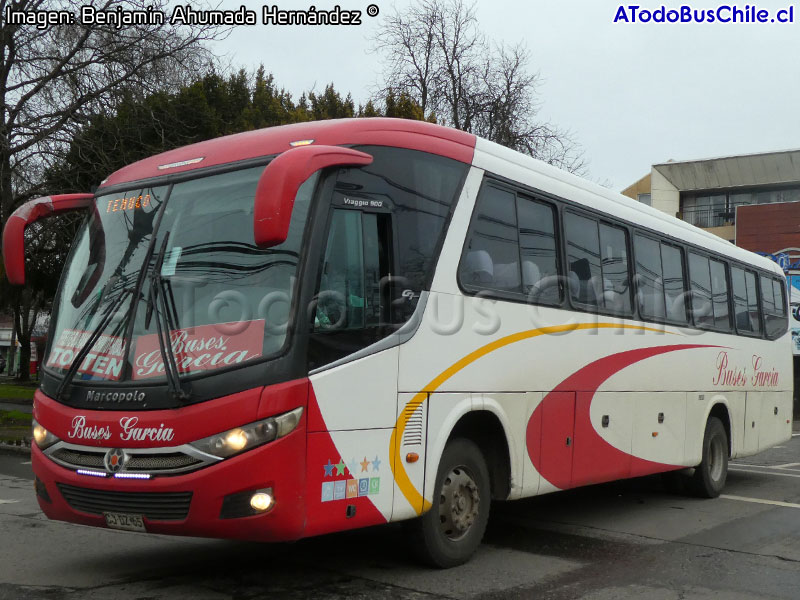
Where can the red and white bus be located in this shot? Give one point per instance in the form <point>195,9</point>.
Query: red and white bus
<point>331,325</point>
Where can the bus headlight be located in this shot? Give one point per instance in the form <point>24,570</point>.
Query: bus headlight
<point>42,437</point>
<point>249,436</point>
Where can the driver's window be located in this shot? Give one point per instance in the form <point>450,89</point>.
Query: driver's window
<point>352,302</point>
<point>341,301</point>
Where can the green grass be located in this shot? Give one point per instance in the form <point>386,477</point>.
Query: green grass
<point>14,418</point>
<point>11,391</point>
<point>15,426</point>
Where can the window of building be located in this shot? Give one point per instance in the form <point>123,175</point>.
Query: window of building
<point>645,199</point>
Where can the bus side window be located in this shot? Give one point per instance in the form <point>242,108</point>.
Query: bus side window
<point>700,282</point>
<point>616,278</point>
<point>491,260</point>
<point>649,277</point>
<point>674,288</point>
<point>719,295</point>
<point>745,301</point>
<point>772,305</point>
<point>537,245</point>
<point>584,278</point>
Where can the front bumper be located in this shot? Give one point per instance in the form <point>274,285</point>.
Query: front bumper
<point>278,465</point>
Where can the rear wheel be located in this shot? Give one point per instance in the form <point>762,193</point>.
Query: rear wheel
<point>450,532</point>
<point>710,475</point>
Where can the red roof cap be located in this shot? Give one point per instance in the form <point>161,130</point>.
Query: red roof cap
<point>401,133</point>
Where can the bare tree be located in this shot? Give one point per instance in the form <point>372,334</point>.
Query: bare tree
<point>435,52</point>
<point>53,78</point>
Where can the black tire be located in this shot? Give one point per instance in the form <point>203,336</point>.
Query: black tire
<point>710,475</point>
<point>450,532</point>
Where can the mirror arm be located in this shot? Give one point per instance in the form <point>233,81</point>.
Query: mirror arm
<point>282,178</point>
<point>28,213</point>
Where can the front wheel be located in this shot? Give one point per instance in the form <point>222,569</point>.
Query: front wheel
<point>710,475</point>
<point>450,532</point>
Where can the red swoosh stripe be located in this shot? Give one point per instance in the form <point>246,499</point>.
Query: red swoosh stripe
<point>559,412</point>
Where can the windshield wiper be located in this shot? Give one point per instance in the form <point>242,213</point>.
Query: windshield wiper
<point>93,337</point>
<point>166,321</point>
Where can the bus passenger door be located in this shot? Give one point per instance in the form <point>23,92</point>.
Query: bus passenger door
<point>557,440</point>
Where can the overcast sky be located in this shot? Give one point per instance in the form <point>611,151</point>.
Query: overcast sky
<point>633,94</point>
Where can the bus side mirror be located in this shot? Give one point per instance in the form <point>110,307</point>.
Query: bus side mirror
<point>30,212</point>
<point>277,187</point>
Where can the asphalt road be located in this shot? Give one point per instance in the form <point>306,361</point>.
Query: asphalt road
<point>624,540</point>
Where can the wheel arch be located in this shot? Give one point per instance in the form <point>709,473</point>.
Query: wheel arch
<point>719,408</point>
<point>487,426</point>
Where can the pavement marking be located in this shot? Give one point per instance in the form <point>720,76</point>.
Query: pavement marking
<point>760,501</point>
<point>784,467</point>
<point>8,501</point>
<point>29,462</point>
<point>775,473</point>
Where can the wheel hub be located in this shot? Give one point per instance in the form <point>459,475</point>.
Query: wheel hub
<point>459,502</point>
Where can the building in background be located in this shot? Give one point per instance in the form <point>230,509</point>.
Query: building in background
<point>752,200</point>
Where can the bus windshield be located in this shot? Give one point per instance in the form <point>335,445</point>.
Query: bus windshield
<point>228,300</point>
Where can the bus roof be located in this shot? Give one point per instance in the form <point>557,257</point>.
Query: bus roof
<point>402,133</point>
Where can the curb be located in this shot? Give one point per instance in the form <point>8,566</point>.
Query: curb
<point>12,449</point>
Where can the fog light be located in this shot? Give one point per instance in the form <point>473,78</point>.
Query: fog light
<point>261,501</point>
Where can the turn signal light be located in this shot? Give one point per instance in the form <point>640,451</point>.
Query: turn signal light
<point>412,457</point>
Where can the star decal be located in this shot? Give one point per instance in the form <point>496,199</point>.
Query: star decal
<point>364,464</point>
<point>328,468</point>
<point>352,466</point>
<point>340,467</point>
<point>376,464</point>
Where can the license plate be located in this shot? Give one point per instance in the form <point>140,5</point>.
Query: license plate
<point>123,521</point>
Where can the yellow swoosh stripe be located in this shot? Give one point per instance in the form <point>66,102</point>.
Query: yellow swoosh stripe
<point>409,490</point>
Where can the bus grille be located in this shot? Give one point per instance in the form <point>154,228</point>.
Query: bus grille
<point>157,506</point>
<point>149,462</point>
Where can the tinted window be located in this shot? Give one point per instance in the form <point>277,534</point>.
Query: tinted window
<point>583,257</point>
<point>745,301</point>
<point>492,257</point>
<point>650,285</point>
<point>342,300</point>
<point>772,302</point>
<point>752,301</point>
<point>719,295</point>
<point>537,244</point>
<point>418,189</point>
<point>674,288</point>
<point>700,280</point>
<point>616,278</point>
